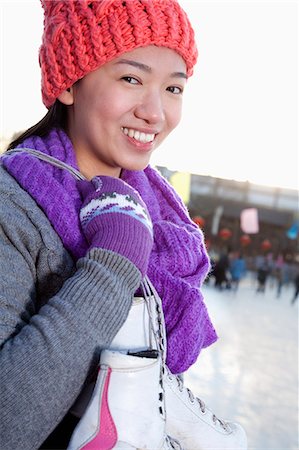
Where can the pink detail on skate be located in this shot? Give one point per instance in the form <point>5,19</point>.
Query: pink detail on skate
<point>106,437</point>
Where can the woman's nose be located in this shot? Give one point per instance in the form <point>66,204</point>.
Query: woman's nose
<point>151,108</point>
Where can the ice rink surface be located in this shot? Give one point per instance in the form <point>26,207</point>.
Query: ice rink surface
<point>250,374</point>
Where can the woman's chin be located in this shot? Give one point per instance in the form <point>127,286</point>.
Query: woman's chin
<point>136,166</point>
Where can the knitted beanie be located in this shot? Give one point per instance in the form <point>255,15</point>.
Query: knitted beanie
<point>81,35</point>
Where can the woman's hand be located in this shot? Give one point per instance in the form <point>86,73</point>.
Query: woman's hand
<point>113,216</point>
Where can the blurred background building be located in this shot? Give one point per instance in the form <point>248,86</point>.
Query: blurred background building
<point>217,205</point>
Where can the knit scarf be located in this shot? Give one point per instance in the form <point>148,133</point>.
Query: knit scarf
<point>178,263</point>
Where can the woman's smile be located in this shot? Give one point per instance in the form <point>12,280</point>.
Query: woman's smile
<point>139,136</point>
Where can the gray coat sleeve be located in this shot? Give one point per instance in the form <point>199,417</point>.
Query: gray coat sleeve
<point>48,351</point>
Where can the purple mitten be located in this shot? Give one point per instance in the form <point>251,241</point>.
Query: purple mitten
<point>113,216</point>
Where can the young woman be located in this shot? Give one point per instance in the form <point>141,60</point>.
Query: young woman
<point>74,252</point>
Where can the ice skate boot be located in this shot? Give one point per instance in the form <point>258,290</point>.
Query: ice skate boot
<point>187,418</point>
<point>193,424</point>
<point>126,410</point>
<point>135,335</point>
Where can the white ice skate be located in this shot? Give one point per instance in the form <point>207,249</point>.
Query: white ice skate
<point>196,426</point>
<point>125,411</point>
<point>188,419</point>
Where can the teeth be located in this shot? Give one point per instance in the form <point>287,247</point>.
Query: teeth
<point>131,133</point>
<point>138,136</point>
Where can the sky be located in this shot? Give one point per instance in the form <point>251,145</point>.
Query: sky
<point>240,115</point>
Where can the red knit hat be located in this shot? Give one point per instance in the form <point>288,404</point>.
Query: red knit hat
<point>81,35</point>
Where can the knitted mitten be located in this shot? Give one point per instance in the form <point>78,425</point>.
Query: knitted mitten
<point>113,216</point>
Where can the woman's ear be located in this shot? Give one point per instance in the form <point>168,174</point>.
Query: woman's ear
<point>67,97</point>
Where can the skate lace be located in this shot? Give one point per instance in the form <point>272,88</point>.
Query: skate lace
<point>173,444</point>
<point>152,300</point>
<point>159,333</point>
<point>194,399</point>
<point>44,157</point>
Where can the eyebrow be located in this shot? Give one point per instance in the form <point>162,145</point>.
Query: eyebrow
<point>146,68</point>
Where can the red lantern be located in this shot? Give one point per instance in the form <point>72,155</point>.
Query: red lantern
<point>200,221</point>
<point>266,244</point>
<point>208,244</point>
<point>225,233</point>
<point>245,240</point>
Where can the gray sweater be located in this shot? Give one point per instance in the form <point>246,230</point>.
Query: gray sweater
<point>55,317</point>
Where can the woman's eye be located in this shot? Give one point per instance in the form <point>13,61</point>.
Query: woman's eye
<point>175,90</point>
<point>130,80</point>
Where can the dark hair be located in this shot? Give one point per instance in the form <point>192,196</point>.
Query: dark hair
<point>55,117</point>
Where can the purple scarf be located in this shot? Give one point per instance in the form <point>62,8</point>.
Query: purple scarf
<point>178,263</point>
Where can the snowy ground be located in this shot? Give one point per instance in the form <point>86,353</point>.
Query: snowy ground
<point>250,374</point>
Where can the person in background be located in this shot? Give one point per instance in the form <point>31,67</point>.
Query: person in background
<point>85,220</point>
<point>221,270</point>
<point>237,268</point>
<point>296,288</point>
<point>263,271</point>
